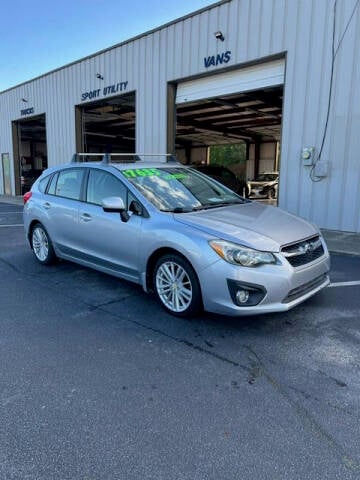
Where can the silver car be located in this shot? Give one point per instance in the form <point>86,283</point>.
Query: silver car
<point>265,185</point>
<point>178,233</point>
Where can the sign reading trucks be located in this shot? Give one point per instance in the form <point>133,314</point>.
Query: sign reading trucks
<point>27,111</point>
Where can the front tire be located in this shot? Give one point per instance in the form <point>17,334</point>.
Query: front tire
<point>41,245</point>
<point>176,286</point>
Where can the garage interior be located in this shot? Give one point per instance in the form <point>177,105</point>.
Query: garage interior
<point>107,126</point>
<point>30,151</point>
<point>252,117</point>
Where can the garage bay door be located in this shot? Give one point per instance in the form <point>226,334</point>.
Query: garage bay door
<point>244,79</point>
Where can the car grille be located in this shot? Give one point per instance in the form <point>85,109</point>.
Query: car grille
<point>305,288</point>
<point>306,251</point>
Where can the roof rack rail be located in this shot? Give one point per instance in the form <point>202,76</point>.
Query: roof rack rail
<point>106,157</point>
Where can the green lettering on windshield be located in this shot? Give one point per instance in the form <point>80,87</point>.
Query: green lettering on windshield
<point>141,172</point>
<point>176,176</point>
<point>152,172</point>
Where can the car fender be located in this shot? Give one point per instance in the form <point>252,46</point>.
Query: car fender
<point>192,244</point>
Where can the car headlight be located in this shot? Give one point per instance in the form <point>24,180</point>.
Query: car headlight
<point>239,255</point>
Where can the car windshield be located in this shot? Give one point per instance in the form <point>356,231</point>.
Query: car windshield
<point>180,189</point>
<point>267,177</point>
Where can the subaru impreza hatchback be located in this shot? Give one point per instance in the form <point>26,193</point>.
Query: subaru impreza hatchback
<point>178,233</point>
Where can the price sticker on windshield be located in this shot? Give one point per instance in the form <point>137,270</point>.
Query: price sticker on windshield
<point>152,172</point>
<point>141,172</point>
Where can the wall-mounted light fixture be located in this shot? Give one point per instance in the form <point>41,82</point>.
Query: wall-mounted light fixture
<point>24,100</point>
<point>219,35</point>
<point>99,76</point>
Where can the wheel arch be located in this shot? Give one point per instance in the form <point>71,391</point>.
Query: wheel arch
<point>154,257</point>
<point>31,228</point>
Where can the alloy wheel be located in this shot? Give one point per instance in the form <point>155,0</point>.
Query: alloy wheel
<point>40,244</point>
<point>174,286</point>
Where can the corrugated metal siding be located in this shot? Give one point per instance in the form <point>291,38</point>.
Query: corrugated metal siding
<point>253,29</point>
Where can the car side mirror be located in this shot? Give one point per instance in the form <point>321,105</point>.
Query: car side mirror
<point>115,205</point>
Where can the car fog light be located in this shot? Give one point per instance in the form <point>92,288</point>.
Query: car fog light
<point>245,294</point>
<point>242,296</point>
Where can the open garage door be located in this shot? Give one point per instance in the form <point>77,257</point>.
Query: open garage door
<point>30,151</point>
<point>238,107</point>
<point>255,77</point>
<point>107,125</point>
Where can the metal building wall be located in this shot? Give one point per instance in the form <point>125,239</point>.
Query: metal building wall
<point>253,30</point>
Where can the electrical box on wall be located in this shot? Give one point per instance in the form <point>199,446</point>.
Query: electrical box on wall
<point>307,156</point>
<point>321,169</point>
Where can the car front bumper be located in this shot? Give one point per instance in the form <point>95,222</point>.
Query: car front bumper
<point>283,286</point>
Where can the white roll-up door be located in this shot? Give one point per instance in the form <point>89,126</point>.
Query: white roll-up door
<point>236,81</point>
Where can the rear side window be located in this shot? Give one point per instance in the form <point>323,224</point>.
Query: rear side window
<point>68,183</point>
<point>52,186</point>
<point>43,184</point>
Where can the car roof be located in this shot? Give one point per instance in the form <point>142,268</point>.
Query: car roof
<point>144,164</point>
<point>118,166</point>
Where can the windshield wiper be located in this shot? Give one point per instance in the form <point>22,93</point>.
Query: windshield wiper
<point>205,206</point>
<point>178,209</point>
<point>222,204</point>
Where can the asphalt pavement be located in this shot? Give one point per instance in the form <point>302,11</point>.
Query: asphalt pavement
<point>97,382</point>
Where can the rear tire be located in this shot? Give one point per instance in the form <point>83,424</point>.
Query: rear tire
<point>176,286</point>
<point>41,245</point>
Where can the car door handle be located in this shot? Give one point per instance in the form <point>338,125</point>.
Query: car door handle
<point>47,205</point>
<point>85,217</point>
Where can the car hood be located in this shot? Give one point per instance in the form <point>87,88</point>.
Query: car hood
<point>251,224</point>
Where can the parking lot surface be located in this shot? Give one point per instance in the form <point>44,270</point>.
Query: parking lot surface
<point>98,382</point>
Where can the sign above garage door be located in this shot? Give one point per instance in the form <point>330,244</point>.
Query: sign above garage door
<point>244,79</point>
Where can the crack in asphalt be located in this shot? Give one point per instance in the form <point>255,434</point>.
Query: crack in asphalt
<point>309,396</point>
<point>338,382</point>
<point>111,302</point>
<point>256,370</point>
<point>13,267</point>
<point>307,419</point>
<point>92,308</point>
